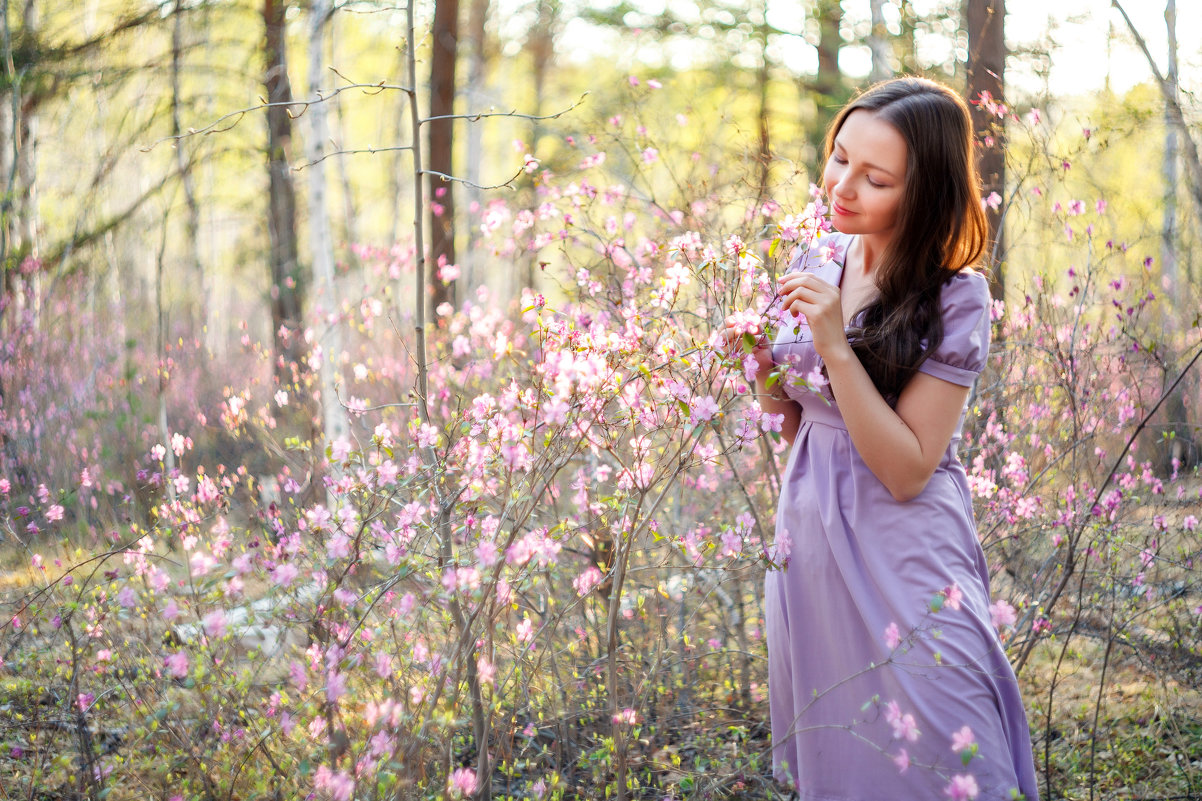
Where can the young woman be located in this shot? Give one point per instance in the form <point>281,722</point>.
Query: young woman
<point>874,694</point>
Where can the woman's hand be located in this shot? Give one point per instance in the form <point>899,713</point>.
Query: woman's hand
<point>820,302</point>
<point>735,333</point>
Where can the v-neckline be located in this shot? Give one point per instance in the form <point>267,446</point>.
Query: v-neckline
<point>851,240</point>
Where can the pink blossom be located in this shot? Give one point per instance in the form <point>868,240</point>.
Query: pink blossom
<point>963,739</point>
<point>962,787</point>
<point>335,685</point>
<point>427,436</point>
<point>54,513</point>
<point>904,726</point>
<point>1190,523</point>
<point>902,760</point>
<point>462,782</point>
<point>892,636</point>
<point>487,553</point>
<point>177,664</point>
<point>772,422</point>
<point>127,597</point>
<point>589,578</point>
<point>486,670</point>
<point>215,623</point>
<point>952,597</point>
<point>703,409</point>
<point>284,574</point>
<point>627,716</point>
<point>525,630</point>
<point>337,786</point>
<point>1002,614</point>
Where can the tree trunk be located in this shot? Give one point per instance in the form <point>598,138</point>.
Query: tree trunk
<point>327,312</point>
<point>10,149</point>
<point>986,73</point>
<point>199,289</point>
<point>445,43</point>
<point>477,94</point>
<point>763,76</point>
<point>341,164</point>
<point>1180,449</point>
<point>540,43</point>
<point>1168,226</point>
<point>829,86</point>
<point>287,287</point>
<point>878,43</point>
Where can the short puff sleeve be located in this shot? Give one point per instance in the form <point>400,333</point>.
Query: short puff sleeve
<point>965,305</point>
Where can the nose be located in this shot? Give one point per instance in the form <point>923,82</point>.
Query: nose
<point>842,187</point>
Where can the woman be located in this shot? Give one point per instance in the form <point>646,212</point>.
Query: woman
<point>886,676</point>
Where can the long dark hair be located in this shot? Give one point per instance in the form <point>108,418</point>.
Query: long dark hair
<point>941,228</point>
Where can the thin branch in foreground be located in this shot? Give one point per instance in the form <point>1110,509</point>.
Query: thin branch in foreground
<point>453,179</point>
<point>479,115</point>
<point>351,152</point>
<point>235,117</point>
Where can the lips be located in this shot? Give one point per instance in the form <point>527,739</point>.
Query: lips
<point>841,210</point>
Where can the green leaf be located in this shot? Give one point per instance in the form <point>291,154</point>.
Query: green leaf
<point>773,247</point>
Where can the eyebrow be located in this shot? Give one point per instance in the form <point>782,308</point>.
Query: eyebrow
<point>869,164</point>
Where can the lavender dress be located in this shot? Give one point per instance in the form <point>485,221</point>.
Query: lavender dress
<point>862,711</point>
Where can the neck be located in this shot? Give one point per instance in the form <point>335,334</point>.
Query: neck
<point>871,250</point>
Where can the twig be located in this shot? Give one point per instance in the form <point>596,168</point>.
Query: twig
<point>1070,567</point>
<point>351,152</point>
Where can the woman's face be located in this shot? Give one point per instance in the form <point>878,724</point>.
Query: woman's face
<point>865,176</point>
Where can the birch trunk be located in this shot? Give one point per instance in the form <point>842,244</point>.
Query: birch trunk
<point>200,307</point>
<point>477,98</point>
<point>1168,227</point>
<point>878,43</point>
<point>327,310</point>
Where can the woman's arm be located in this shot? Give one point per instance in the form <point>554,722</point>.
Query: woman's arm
<point>902,446</point>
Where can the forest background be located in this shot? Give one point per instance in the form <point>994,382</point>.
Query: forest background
<point>362,432</point>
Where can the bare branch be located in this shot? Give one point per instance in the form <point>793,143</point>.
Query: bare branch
<point>350,152</point>
<point>451,178</point>
<point>477,116</point>
<point>236,116</point>
<point>1168,91</point>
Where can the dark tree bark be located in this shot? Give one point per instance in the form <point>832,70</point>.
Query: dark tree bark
<point>986,73</point>
<point>441,141</point>
<point>199,289</point>
<point>287,284</point>
<point>829,86</point>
